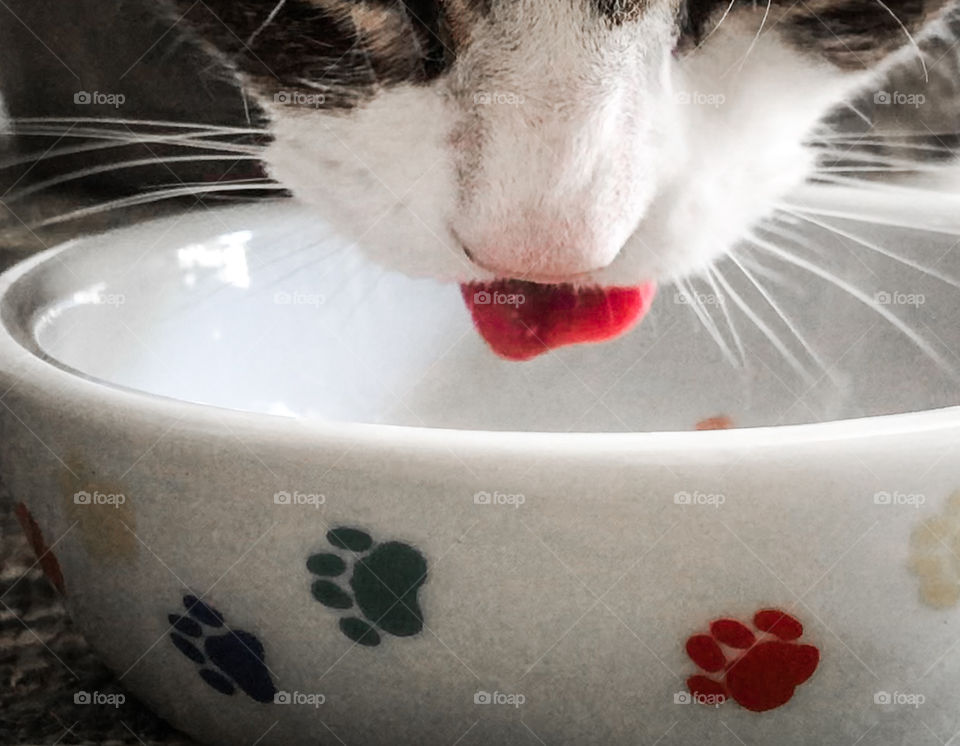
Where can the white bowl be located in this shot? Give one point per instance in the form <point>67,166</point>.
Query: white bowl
<point>548,583</point>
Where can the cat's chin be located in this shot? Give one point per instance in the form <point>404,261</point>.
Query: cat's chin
<point>521,320</point>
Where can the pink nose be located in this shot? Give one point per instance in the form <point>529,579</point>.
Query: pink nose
<point>551,253</point>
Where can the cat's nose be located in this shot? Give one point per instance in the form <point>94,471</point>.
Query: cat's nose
<point>552,251</point>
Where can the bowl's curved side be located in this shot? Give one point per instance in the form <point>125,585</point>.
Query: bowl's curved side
<point>557,587</point>
<point>512,582</point>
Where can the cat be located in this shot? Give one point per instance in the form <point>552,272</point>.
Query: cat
<point>607,142</point>
<point>531,144</point>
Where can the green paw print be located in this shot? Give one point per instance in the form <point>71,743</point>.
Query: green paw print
<point>383,579</point>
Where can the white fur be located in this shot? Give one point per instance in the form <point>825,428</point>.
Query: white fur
<point>606,160</point>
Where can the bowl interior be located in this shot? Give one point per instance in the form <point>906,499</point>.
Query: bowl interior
<point>263,308</point>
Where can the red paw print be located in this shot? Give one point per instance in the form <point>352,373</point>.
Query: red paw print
<point>764,670</point>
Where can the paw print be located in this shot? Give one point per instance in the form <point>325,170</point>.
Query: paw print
<point>384,581</point>
<point>934,552</point>
<point>231,660</point>
<point>763,671</point>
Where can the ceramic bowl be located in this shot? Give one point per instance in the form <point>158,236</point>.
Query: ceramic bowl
<point>292,498</point>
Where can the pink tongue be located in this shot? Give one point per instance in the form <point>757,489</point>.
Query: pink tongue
<point>521,320</point>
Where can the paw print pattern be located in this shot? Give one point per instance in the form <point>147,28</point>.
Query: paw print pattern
<point>383,579</point>
<point>231,660</point>
<point>934,552</point>
<point>761,671</point>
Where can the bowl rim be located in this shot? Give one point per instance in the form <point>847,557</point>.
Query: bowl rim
<point>26,367</point>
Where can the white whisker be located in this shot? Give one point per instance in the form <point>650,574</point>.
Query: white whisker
<point>726,12</point>
<point>131,138</point>
<point>920,221</point>
<point>876,247</point>
<point>218,128</point>
<point>142,199</point>
<point>711,328</point>
<point>913,42</point>
<point>726,314</point>
<point>756,38</point>
<point>262,26</point>
<point>764,293</point>
<point>110,167</point>
<point>185,141</point>
<point>859,113</point>
<point>863,298</point>
<point>766,330</point>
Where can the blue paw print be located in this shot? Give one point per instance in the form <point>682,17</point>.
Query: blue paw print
<point>230,660</point>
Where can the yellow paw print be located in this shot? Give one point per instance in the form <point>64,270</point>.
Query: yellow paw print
<point>935,556</point>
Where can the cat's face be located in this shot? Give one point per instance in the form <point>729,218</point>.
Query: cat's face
<point>592,141</point>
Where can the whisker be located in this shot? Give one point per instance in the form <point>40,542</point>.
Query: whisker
<point>776,225</point>
<point>756,38</point>
<point>859,145</point>
<point>877,248</point>
<point>142,199</point>
<point>110,167</point>
<point>910,191</point>
<point>764,293</point>
<point>203,127</point>
<point>859,113</point>
<point>132,138</point>
<point>766,330</point>
<point>919,219</point>
<point>184,141</point>
<point>711,328</point>
<point>726,12</point>
<point>913,42</point>
<point>863,298</point>
<point>855,154</point>
<point>726,314</point>
<point>267,22</point>
<point>253,182</point>
<point>914,168</point>
<point>889,138</point>
<point>751,261</point>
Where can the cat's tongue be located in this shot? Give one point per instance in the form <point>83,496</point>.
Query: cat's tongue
<point>521,320</point>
